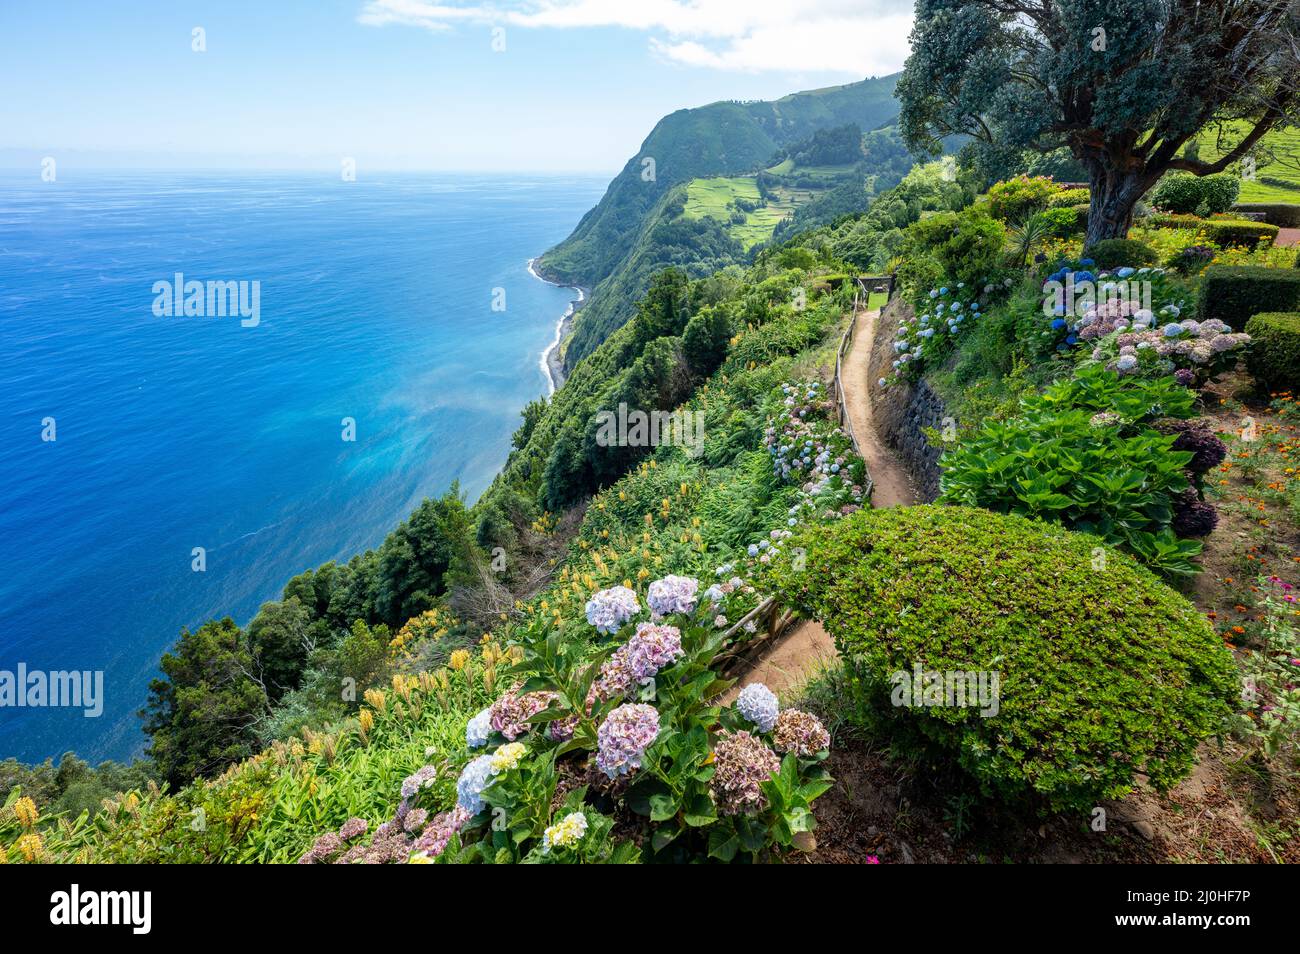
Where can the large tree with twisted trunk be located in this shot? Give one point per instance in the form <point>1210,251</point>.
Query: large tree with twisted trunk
<point>1125,84</point>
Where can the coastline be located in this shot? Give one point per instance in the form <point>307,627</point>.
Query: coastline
<point>551,362</point>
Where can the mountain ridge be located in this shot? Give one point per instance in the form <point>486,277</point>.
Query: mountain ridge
<point>721,138</point>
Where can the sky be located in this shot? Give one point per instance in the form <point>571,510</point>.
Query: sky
<point>533,86</point>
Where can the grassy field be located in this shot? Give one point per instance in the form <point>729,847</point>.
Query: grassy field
<point>1278,159</point>
<point>715,198</point>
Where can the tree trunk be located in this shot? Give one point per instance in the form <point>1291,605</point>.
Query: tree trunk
<point>1116,182</point>
<point>1113,197</point>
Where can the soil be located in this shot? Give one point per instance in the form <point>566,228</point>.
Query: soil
<point>893,485</point>
<point>807,649</point>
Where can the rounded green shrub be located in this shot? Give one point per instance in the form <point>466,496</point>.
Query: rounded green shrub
<point>1116,253</point>
<point>1274,355</point>
<point>1017,199</point>
<point>1068,197</point>
<point>1204,195</point>
<point>1104,672</point>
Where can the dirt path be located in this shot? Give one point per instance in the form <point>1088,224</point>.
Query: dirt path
<point>807,648</point>
<point>893,488</point>
<point>1287,238</point>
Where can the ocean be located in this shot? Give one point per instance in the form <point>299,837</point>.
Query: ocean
<point>396,309</point>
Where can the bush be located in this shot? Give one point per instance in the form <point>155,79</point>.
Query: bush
<point>1082,454</point>
<point>1233,293</point>
<point>1068,197</point>
<point>1283,214</point>
<point>1203,195</point>
<point>966,246</point>
<point>1227,232</point>
<point>1274,356</point>
<point>1063,222</point>
<point>1017,199</point>
<point>1115,253</point>
<point>1102,675</point>
<point>1161,220</point>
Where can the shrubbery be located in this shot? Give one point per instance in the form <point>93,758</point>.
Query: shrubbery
<point>1104,672</point>
<point>1229,232</point>
<point>1274,356</point>
<point>1017,199</point>
<point>1203,195</point>
<point>1233,293</point>
<point>1068,198</point>
<point>1083,454</point>
<point>964,246</point>
<point>1283,214</point>
<point>1115,253</point>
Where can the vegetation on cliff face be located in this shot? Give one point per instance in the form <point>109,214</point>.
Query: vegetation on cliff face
<point>617,245</point>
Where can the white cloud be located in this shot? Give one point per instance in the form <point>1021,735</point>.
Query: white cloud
<point>853,37</point>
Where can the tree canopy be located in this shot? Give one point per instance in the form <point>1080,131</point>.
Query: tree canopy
<point>1124,84</point>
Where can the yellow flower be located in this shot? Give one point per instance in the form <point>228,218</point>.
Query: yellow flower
<point>459,659</point>
<point>25,811</point>
<point>506,757</point>
<point>30,847</point>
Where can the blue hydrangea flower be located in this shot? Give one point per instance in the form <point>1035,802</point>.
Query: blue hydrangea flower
<point>610,609</point>
<point>479,728</point>
<point>469,787</point>
<point>758,704</point>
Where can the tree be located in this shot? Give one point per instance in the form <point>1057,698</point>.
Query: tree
<point>1124,84</point>
<point>281,639</point>
<point>201,716</point>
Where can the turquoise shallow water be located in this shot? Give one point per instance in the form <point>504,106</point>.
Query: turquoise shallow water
<point>173,433</point>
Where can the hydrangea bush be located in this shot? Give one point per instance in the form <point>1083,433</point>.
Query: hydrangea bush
<point>1132,321</point>
<point>810,450</point>
<point>648,763</point>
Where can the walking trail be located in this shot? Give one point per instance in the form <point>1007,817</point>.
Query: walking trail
<point>807,648</point>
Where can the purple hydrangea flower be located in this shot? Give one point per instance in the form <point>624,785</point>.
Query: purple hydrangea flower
<point>353,828</point>
<point>742,763</point>
<point>758,704</point>
<point>610,609</point>
<point>651,649</point>
<point>413,783</point>
<point>433,840</point>
<point>672,594</point>
<point>623,738</point>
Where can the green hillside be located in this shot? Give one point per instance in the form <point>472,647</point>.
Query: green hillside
<point>721,139</point>
<point>1277,163</point>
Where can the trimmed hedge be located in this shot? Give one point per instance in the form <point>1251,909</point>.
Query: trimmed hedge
<point>1233,293</point>
<point>1114,253</point>
<point>1274,355</point>
<point>1282,214</point>
<point>1225,232</point>
<point>1105,673</point>
<point>1222,232</point>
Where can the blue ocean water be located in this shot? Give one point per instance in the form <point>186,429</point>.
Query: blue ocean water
<point>174,433</point>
